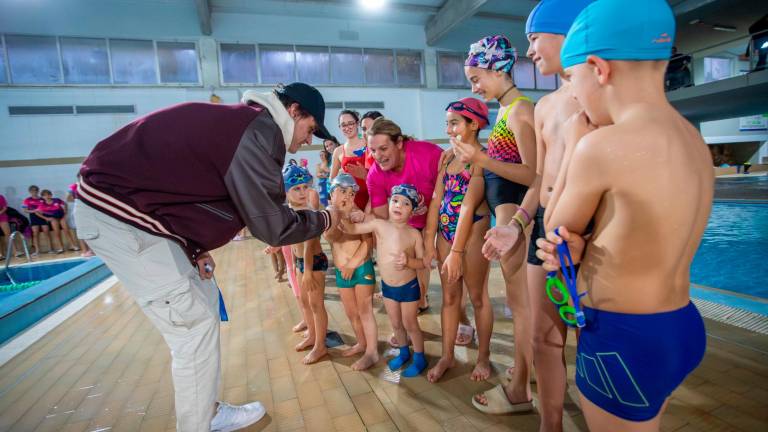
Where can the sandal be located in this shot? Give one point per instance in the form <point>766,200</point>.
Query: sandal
<point>465,335</point>
<point>498,403</point>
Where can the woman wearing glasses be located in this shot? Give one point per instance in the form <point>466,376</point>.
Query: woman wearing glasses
<point>459,217</point>
<point>350,157</point>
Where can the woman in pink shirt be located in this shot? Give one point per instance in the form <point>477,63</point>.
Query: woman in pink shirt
<point>30,207</point>
<point>401,159</point>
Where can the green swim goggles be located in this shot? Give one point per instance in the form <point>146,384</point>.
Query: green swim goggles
<point>572,315</point>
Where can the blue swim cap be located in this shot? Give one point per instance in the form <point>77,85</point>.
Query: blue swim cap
<point>343,180</point>
<point>294,175</point>
<point>554,16</point>
<point>620,30</point>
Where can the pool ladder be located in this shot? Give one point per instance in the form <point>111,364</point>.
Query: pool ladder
<point>8,251</point>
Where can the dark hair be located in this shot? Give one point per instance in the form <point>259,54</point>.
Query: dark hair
<point>33,187</point>
<point>46,192</point>
<point>332,139</point>
<point>287,101</point>
<point>373,115</point>
<point>328,155</point>
<point>353,113</point>
<point>292,162</point>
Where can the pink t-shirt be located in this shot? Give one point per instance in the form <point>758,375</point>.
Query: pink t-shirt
<point>55,205</point>
<point>31,204</point>
<point>3,205</point>
<point>421,167</point>
<point>73,190</point>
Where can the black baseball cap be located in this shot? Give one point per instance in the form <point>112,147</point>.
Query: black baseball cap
<point>310,101</point>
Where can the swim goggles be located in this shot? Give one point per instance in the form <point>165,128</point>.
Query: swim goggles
<point>461,106</point>
<point>572,315</point>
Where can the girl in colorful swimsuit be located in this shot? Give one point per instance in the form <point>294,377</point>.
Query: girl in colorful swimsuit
<point>459,214</point>
<point>509,169</point>
<point>350,157</point>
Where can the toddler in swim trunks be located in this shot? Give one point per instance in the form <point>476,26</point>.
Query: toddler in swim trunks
<point>400,250</point>
<point>311,264</point>
<point>355,276</point>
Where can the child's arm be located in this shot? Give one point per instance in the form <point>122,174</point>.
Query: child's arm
<point>336,164</point>
<point>361,254</point>
<point>433,214</point>
<point>307,281</point>
<point>365,227</point>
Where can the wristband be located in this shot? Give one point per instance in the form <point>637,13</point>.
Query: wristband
<point>527,216</point>
<point>456,251</point>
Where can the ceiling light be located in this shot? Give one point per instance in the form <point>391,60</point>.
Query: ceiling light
<point>373,5</point>
<point>724,28</point>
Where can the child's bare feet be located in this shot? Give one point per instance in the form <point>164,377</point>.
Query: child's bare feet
<point>437,372</point>
<point>306,343</point>
<point>315,355</point>
<point>482,371</point>
<point>300,326</point>
<point>355,350</point>
<point>365,362</point>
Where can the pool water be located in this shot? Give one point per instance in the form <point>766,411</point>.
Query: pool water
<point>30,275</point>
<point>733,254</point>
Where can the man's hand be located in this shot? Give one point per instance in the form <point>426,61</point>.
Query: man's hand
<point>500,239</point>
<point>547,248</point>
<point>335,217</point>
<point>205,266</point>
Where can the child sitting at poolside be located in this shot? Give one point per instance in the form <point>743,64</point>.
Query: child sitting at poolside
<point>400,250</point>
<point>311,279</point>
<point>355,276</point>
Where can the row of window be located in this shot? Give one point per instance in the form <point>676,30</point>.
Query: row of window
<point>50,60</point>
<point>74,60</point>
<point>267,64</point>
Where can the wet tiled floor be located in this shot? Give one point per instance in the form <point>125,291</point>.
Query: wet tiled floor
<point>107,368</point>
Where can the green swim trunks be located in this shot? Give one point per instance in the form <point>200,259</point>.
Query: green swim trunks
<point>363,275</point>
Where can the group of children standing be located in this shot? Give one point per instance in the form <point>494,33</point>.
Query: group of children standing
<point>605,158</point>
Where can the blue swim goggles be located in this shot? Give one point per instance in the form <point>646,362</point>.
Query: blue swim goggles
<point>572,315</point>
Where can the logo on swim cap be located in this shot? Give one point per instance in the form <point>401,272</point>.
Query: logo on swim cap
<point>663,38</point>
<point>409,191</point>
<point>294,175</point>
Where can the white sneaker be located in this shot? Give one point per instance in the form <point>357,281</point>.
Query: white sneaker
<point>233,417</point>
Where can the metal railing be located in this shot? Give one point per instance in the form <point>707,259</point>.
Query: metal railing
<point>9,251</point>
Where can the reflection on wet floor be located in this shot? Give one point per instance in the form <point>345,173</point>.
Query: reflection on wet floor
<point>107,368</point>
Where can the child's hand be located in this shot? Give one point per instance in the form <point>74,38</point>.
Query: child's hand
<point>576,127</point>
<point>269,250</point>
<point>499,240</point>
<point>452,267</point>
<point>346,272</point>
<point>356,216</point>
<point>547,248</point>
<point>308,282</point>
<point>429,253</point>
<point>400,260</point>
<point>356,170</point>
<point>467,153</point>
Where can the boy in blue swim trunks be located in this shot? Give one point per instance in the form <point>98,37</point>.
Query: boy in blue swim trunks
<point>311,265</point>
<point>643,172</point>
<point>355,276</point>
<point>400,251</point>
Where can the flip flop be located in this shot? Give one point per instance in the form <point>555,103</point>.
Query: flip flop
<point>465,330</point>
<point>498,403</point>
